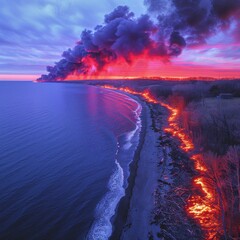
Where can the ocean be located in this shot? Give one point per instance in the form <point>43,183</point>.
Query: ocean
<point>65,151</point>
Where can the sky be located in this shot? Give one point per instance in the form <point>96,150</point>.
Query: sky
<point>34,34</point>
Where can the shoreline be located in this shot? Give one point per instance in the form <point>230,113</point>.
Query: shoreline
<point>142,203</point>
<point>159,181</point>
<point>152,206</point>
<point>120,218</point>
<point>105,222</point>
<point>151,196</point>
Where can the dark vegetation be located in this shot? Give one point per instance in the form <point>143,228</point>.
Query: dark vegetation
<point>212,121</point>
<point>210,115</point>
<point>174,187</point>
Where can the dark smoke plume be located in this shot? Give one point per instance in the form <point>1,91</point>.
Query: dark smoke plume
<point>195,19</point>
<point>122,36</point>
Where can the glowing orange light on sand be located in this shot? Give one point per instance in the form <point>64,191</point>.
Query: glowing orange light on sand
<point>200,207</point>
<point>173,129</point>
<point>198,161</point>
<point>203,208</point>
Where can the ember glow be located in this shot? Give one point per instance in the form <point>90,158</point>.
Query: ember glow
<point>201,206</point>
<point>146,46</point>
<point>164,38</point>
<point>153,68</point>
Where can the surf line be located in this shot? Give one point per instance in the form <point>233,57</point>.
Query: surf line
<point>102,226</point>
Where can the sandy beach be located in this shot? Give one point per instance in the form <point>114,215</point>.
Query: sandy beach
<point>133,220</point>
<point>138,225</point>
<point>152,207</point>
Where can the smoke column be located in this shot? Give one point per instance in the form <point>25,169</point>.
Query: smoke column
<point>169,27</point>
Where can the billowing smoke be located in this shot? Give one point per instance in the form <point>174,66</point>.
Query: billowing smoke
<point>124,37</point>
<point>195,19</point>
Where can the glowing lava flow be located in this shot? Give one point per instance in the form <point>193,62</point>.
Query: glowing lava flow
<point>173,129</point>
<point>200,207</point>
<point>204,208</point>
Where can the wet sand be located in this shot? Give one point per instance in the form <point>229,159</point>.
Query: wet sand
<point>142,201</point>
<point>133,219</point>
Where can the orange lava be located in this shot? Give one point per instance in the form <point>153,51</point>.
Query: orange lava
<point>202,206</point>
<point>175,130</point>
<point>198,161</point>
<point>203,209</point>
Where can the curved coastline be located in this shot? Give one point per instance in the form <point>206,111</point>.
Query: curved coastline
<point>120,218</point>
<point>107,211</point>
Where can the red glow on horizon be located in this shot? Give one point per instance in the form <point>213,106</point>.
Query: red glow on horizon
<point>149,67</point>
<point>18,77</point>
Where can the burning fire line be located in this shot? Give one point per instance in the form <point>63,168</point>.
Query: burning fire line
<point>200,207</point>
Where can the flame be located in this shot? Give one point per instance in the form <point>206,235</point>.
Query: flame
<point>145,66</point>
<point>203,208</point>
<point>199,165</point>
<point>173,129</point>
<point>200,207</point>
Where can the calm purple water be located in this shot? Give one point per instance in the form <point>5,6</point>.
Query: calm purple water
<point>64,156</point>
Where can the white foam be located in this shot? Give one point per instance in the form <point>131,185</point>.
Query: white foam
<point>102,227</point>
<point>105,210</point>
<point>130,135</point>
